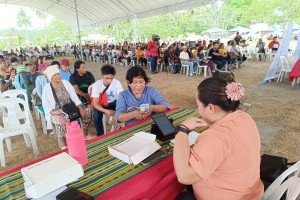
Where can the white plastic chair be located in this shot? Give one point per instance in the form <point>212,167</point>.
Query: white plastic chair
<point>285,68</point>
<point>292,186</point>
<point>291,171</point>
<point>199,69</point>
<point>184,69</point>
<point>12,126</point>
<point>15,94</point>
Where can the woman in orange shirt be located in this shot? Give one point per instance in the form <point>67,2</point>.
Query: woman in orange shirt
<point>224,163</point>
<point>141,56</point>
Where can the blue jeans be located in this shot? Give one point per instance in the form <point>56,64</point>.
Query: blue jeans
<point>192,65</point>
<point>176,66</point>
<point>220,63</point>
<point>98,118</point>
<point>153,63</point>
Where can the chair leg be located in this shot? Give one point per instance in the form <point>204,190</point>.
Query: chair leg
<point>205,71</point>
<point>104,123</point>
<point>2,157</point>
<point>32,125</point>
<point>8,144</point>
<point>33,141</point>
<point>27,140</point>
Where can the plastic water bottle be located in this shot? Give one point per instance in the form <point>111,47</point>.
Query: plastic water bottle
<point>75,143</point>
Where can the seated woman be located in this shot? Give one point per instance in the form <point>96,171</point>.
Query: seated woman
<point>129,101</point>
<point>81,80</point>
<point>65,94</point>
<point>203,61</point>
<point>112,88</point>
<point>224,163</point>
<point>224,53</point>
<point>140,56</point>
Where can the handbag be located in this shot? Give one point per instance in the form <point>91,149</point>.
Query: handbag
<point>103,97</point>
<point>227,76</point>
<point>271,167</point>
<point>70,109</point>
<point>231,55</point>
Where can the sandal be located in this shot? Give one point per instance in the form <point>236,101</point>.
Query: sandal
<point>89,137</point>
<point>63,147</point>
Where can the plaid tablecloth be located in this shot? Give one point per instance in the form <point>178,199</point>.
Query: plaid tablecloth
<point>103,171</point>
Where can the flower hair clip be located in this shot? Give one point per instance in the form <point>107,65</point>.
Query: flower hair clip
<point>234,91</point>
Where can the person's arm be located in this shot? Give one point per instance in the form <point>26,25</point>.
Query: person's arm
<point>38,86</point>
<point>121,113</point>
<point>28,84</point>
<point>182,153</point>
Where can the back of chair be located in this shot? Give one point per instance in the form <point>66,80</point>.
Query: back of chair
<point>293,171</point>
<point>292,186</point>
<point>285,64</point>
<point>15,93</point>
<point>9,108</point>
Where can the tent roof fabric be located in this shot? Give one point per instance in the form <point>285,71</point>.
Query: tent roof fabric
<point>104,12</point>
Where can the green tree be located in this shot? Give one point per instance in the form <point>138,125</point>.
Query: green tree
<point>23,20</point>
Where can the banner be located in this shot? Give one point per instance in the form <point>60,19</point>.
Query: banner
<point>283,49</point>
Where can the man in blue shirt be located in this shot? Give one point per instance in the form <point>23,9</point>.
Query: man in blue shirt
<point>65,69</point>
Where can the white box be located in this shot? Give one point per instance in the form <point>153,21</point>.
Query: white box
<point>136,148</point>
<point>50,174</point>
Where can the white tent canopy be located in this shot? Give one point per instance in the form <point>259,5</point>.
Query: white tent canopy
<point>103,12</point>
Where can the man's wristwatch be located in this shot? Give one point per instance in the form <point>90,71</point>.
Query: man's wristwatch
<point>182,128</point>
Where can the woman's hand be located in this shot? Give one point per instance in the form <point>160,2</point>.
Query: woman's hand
<point>138,114</point>
<point>194,122</point>
<point>87,97</point>
<point>148,112</point>
<point>56,112</point>
<point>109,112</point>
<point>82,112</point>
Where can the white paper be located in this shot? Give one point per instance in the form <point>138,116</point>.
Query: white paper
<point>136,148</point>
<point>192,137</point>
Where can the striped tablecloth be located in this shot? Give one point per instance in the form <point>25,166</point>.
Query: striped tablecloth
<point>103,171</point>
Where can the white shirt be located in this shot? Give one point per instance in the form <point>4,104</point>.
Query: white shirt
<point>112,92</point>
<point>184,55</point>
<point>48,100</point>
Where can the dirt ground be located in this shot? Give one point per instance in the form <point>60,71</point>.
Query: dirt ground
<point>275,108</point>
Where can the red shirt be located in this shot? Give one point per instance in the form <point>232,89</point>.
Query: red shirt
<point>153,48</point>
<point>272,43</point>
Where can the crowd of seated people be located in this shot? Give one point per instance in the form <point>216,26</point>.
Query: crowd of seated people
<point>44,77</point>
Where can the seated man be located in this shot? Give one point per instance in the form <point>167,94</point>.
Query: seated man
<point>274,44</point>
<point>29,80</point>
<point>128,108</point>
<point>112,88</point>
<point>187,60</point>
<point>174,60</point>
<point>216,57</point>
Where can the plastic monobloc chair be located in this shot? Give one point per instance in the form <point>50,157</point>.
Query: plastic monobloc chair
<point>291,171</point>
<point>13,126</point>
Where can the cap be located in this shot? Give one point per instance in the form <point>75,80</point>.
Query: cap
<point>21,68</point>
<point>65,62</point>
<point>49,57</point>
<point>51,70</point>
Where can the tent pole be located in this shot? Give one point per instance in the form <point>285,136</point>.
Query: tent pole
<point>78,27</point>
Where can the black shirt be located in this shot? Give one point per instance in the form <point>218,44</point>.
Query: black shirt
<point>214,57</point>
<point>83,82</point>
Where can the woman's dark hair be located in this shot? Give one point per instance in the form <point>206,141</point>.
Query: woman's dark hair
<point>108,69</point>
<point>136,72</point>
<point>212,91</point>
<point>55,62</point>
<point>77,65</point>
